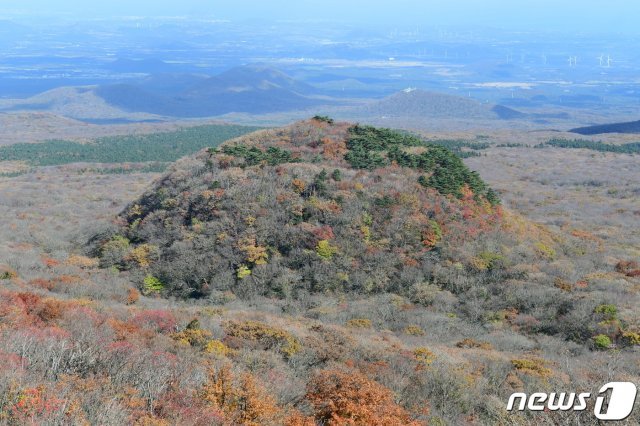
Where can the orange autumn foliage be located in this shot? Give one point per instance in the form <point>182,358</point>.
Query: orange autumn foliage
<point>82,261</point>
<point>133,295</point>
<point>333,149</point>
<point>350,398</point>
<point>296,418</point>
<point>242,399</point>
<point>51,309</point>
<point>34,405</point>
<point>50,262</point>
<point>298,185</point>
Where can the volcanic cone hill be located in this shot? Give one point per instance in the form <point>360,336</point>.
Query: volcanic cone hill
<point>317,206</point>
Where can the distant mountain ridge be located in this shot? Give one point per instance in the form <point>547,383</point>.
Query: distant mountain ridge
<point>255,90</point>
<point>79,103</point>
<point>626,127</point>
<point>251,78</point>
<point>249,89</point>
<point>421,103</point>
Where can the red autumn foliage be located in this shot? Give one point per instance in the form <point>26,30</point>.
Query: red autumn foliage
<point>30,301</point>
<point>324,233</point>
<point>630,268</point>
<point>185,408</point>
<point>35,405</point>
<point>11,361</point>
<point>157,320</point>
<point>42,283</point>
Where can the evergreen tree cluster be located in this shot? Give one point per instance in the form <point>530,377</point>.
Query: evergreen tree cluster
<point>628,148</point>
<point>254,155</point>
<point>370,148</point>
<point>158,147</point>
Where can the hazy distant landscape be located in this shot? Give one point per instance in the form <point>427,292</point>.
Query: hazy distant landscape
<point>318,213</point>
<point>149,69</point>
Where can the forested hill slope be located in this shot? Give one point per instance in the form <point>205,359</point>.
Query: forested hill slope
<point>323,208</point>
<point>316,206</point>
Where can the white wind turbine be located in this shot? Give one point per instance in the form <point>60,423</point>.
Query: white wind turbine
<point>609,61</point>
<point>601,59</point>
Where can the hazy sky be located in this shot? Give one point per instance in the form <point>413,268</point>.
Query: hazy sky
<point>586,15</point>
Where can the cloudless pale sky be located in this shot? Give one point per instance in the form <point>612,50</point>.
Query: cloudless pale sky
<point>584,15</point>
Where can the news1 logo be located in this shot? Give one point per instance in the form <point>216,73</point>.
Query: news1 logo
<point>620,402</point>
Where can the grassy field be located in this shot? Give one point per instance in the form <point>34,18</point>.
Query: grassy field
<point>569,189</point>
